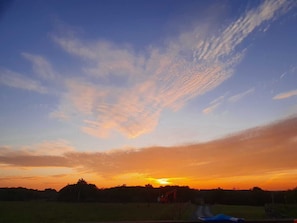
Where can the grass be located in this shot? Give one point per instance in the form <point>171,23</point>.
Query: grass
<point>285,210</point>
<point>46,212</point>
<point>255,212</point>
<point>58,212</point>
<point>246,212</point>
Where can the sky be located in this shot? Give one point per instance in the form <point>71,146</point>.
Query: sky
<point>198,93</point>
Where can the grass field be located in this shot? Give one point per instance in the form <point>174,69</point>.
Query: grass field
<point>58,212</point>
<point>246,212</point>
<point>254,212</point>
<point>45,212</point>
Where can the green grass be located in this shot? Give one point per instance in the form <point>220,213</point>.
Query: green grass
<point>246,212</point>
<point>45,212</point>
<point>255,212</point>
<point>285,210</point>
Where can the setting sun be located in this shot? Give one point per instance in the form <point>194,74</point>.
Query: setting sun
<point>163,181</point>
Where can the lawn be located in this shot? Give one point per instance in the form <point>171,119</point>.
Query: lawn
<point>58,212</point>
<point>45,212</point>
<point>240,211</point>
<point>255,212</point>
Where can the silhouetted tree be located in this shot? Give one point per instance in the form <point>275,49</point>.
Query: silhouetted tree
<point>24,194</point>
<point>79,192</point>
<point>260,197</point>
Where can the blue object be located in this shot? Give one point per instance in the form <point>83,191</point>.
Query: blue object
<point>221,218</point>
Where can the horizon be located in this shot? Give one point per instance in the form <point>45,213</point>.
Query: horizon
<point>195,93</point>
<point>152,186</point>
<point>155,187</point>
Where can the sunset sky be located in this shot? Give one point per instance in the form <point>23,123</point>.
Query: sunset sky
<point>198,93</point>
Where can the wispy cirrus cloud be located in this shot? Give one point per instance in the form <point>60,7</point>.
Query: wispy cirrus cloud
<point>285,95</point>
<point>239,96</point>
<point>237,31</point>
<point>17,80</point>
<point>104,58</point>
<point>218,160</point>
<point>142,84</point>
<point>213,105</point>
<point>41,66</point>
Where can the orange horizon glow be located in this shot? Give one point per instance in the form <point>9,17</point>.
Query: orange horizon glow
<point>272,182</point>
<point>40,184</point>
<point>263,157</point>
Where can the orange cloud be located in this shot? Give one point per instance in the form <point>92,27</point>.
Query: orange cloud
<point>263,156</point>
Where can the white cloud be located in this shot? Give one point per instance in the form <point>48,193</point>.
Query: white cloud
<point>285,95</point>
<point>16,80</point>
<point>239,96</point>
<point>282,75</point>
<point>41,66</point>
<point>59,114</point>
<point>210,108</point>
<point>104,58</point>
<point>214,105</point>
<point>142,85</point>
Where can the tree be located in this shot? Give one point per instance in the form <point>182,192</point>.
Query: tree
<point>79,192</point>
<point>260,197</point>
<point>81,181</point>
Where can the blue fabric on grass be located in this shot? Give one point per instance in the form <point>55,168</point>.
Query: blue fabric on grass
<point>221,218</point>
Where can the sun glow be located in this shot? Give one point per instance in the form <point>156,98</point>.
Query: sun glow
<point>163,181</point>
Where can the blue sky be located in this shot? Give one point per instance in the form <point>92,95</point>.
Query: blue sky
<point>91,76</point>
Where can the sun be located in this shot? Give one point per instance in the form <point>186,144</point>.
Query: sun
<point>163,181</point>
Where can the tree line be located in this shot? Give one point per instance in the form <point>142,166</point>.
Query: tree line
<point>85,192</point>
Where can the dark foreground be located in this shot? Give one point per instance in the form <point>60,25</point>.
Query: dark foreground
<point>46,212</point>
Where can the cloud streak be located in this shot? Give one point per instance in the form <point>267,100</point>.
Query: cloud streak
<point>285,95</point>
<point>41,66</point>
<point>143,84</point>
<point>259,153</point>
<point>213,105</point>
<point>239,96</point>
<point>236,32</point>
<point>17,80</point>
